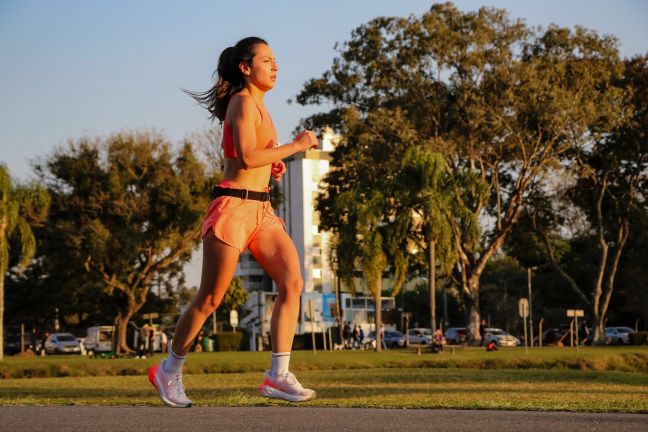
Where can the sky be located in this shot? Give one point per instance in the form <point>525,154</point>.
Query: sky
<point>90,68</point>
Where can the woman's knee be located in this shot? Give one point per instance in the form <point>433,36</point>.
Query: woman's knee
<point>207,304</point>
<point>292,285</point>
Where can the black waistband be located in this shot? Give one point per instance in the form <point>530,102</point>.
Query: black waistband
<point>239,193</point>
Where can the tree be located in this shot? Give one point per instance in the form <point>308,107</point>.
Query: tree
<point>235,297</point>
<point>129,210</point>
<point>364,240</point>
<point>502,104</point>
<point>609,177</point>
<point>422,179</point>
<point>21,208</point>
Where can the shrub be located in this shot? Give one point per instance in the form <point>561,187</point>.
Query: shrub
<point>229,341</point>
<point>639,338</point>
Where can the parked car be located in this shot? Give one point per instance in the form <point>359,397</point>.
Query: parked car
<point>617,335</point>
<point>99,339</point>
<point>455,335</point>
<point>552,336</point>
<point>500,337</point>
<point>394,339</point>
<point>62,343</point>
<point>422,336</point>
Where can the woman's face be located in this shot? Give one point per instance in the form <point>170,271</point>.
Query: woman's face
<point>263,71</point>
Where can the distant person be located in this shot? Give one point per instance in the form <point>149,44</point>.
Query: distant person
<point>491,346</point>
<point>437,341</point>
<point>361,337</point>
<point>240,217</point>
<point>382,336</point>
<point>346,334</point>
<point>151,340</point>
<point>482,332</point>
<point>356,336</point>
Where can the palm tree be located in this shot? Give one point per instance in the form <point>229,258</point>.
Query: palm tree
<point>424,193</point>
<point>21,208</point>
<point>373,238</point>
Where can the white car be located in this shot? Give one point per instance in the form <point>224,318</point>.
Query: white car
<point>62,343</point>
<point>617,335</point>
<point>99,339</point>
<point>422,336</point>
<point>500,337</point>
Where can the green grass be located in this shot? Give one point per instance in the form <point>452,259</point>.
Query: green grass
<point>592,379</point>
<point>377,388</point>
<point>624,359</point>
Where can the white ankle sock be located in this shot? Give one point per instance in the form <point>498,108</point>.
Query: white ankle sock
<point>173,363</point>
<point>280,363</point>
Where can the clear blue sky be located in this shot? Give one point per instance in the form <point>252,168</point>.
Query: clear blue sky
<point>69,68</point>
<point>88,67</point>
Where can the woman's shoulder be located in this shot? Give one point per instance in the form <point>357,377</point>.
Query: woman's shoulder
<point>241,104</point>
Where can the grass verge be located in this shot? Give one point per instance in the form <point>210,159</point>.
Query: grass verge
<point>565,390</point>
<point>621,359</point>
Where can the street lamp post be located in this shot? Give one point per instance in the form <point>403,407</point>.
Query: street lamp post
<point>529,269</point>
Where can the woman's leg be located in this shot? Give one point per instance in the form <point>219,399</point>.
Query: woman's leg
<point>218,267</point>
<point>276,253</point>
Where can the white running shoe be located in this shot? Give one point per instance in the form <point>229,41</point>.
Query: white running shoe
<point>285,387</point>
<point>172,392</point>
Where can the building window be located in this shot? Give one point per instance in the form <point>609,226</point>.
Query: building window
<point>317,273</point>
<point>317,261</point>
<point>317,241</point>
<point>358,303</point>
<point>317,285</point>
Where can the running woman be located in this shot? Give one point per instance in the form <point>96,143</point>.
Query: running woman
<point>240,216</point>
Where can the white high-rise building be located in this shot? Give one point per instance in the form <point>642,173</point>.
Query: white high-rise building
<point>300,185</point>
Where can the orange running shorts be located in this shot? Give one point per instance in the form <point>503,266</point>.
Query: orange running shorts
<point>237,221</point>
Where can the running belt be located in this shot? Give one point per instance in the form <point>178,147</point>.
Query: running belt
<point>239,193</point>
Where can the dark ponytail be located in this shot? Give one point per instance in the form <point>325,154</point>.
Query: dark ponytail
<point>229,77</point>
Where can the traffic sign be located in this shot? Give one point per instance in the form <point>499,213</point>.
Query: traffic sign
<point>234,318</point>
<point>575,313</point>
<point>523,308</point>
<point>150,315</point>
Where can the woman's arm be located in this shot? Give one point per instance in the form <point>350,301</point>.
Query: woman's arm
<point>244,112</point>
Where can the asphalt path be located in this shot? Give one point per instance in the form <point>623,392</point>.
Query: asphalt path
<point>115,418</point>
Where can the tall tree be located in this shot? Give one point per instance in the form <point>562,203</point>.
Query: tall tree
<point>21,208</point>
<point>609,176</point>
<point>501,102</point>
<point>130,210</point>
<point>424,193</point>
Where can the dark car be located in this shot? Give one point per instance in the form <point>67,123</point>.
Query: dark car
<point>553,336</point>
<point>455,335</point>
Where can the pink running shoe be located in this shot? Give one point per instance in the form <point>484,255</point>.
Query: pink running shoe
<point>285,387</point>
<point>172,392</point>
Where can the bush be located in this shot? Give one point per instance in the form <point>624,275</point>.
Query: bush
<point>230,341</point>
<point>639,338</point>
<point>305,341</point>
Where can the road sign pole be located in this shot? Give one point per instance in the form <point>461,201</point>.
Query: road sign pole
<point>576,324</point>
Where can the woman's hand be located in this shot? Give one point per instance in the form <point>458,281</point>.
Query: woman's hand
<point>306,140</point>
<point>278,170</point>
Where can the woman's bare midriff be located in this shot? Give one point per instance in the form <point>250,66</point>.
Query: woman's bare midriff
<point>255,179</point>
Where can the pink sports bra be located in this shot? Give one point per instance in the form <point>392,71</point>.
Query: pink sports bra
<point>266,135</point>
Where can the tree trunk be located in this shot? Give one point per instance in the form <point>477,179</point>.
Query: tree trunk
<point>432,281</point>
<point>471,299</point>
<point>378,313</point>
<point>2,276</point>
<point>4,249</point>
<point>122,327</point>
